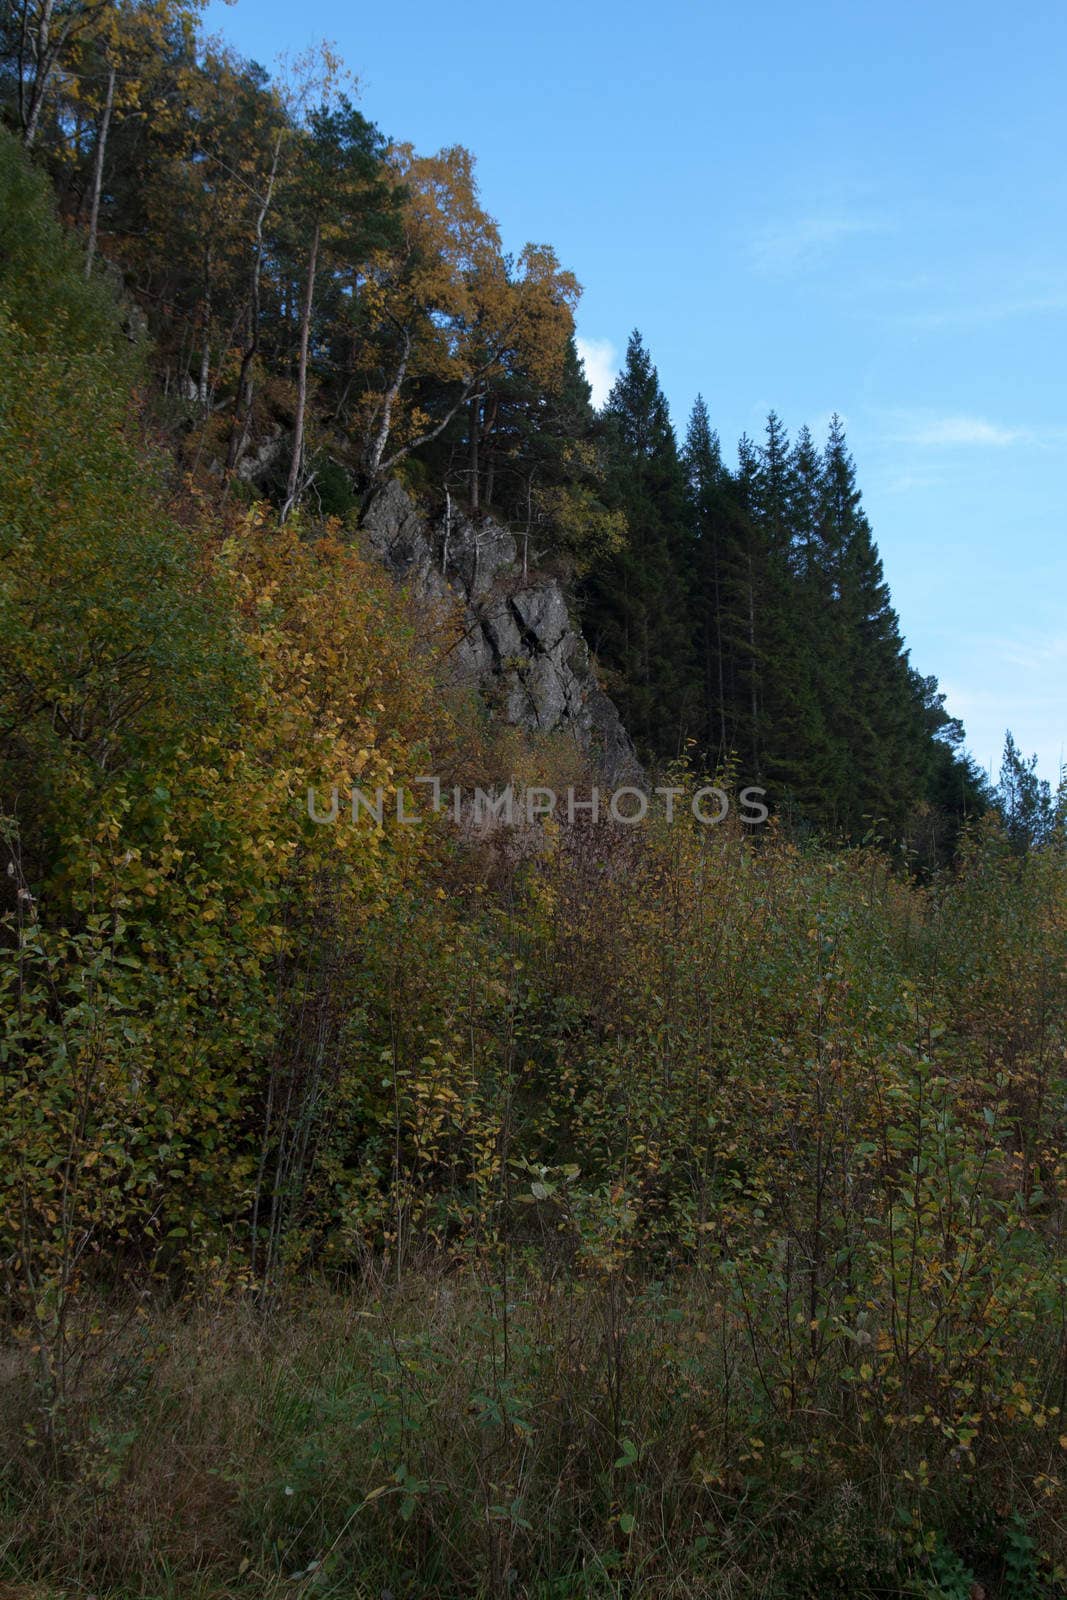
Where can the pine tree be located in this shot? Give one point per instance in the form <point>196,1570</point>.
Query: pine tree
<point>1025,800</point>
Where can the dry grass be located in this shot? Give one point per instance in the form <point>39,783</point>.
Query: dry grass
<point>432,1438</point>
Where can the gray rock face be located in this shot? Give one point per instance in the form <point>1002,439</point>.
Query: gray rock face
<point>258,463</point>
<point>518,643</point>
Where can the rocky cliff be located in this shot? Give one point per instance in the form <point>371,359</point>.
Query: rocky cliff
<point>517,640</point>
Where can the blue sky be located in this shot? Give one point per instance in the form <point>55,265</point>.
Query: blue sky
<point>813,207</point>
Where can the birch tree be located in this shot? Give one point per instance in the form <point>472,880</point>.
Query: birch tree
<point>341,202</point>
<point>45,30</point>
<point>449,310</point>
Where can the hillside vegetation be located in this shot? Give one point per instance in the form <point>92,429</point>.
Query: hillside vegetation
<point>396,1210</point>
<point>330,307</point>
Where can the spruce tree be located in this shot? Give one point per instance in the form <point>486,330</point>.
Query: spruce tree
<point>709,495</point>
<point>875,715</point>
<point>816,789</point>
<point>638,604</point>
<point>744,569</point>
<point>792,735</point>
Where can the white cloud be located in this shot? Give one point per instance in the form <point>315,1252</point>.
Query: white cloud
<point>937,431</point>
<point>966,313</point>
<point>910,483</point>
<point>801,242</point>
<point>601,363</point>
<point>926,430</point>
<point>1039,656</point>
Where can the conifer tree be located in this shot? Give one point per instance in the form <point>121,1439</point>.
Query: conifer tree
<point>638,605</point>
<point>744,571</point>
<point>806,483</point>
<point>875,715</point>
<point>793,739</point>
<point>1025,800</point>
<point>812,764</point>
<point>709,505</point>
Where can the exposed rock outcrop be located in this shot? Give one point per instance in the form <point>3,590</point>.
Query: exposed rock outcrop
<point>517,642</point>
<point>256,466</point>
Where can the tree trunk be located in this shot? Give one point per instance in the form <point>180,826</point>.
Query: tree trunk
<point>203,381</point>
<point>754,681</point>
<point>98,172</point>
<point>526,535</point>
<point>475,429</point>
<point>448,531</point>
<point>723,744</point>
<point>429,435</point>
<point>242,409</point>
<point>42,54</point>
<point>381,438</point>
<point>46,52</point>
<point>490,471</point>
<point>292,488</point>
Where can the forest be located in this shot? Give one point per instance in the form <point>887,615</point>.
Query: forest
<point>418,1211</point>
